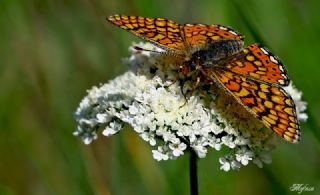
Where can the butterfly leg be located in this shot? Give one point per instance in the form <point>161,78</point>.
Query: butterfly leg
<point>185,99</point>
<point>195,86</point>
<point>173,82</point>
<point>193,90</point>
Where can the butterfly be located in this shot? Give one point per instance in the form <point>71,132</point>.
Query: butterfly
<point>252,75</point>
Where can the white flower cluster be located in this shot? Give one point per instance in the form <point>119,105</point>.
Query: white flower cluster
<point>171,118</point>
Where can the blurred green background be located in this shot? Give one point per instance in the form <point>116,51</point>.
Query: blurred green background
<point>51,52</point>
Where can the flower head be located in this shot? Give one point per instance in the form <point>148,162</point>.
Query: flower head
<point>150,99</point>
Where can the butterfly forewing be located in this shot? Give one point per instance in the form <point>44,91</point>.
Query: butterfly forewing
<point>259,63</point>
<point>198,35</point>
<point>162,32</point>
<point>269,103</point>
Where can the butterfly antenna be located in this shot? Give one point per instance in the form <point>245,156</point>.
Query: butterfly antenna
<point>137,48</point>
<point>149,50</point>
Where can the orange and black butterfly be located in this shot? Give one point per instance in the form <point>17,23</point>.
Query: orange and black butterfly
<point>252,75</point>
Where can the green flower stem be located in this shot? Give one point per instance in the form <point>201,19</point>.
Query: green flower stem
<point>193,173</point>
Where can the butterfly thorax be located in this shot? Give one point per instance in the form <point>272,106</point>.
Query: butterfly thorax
<point>214,53</point>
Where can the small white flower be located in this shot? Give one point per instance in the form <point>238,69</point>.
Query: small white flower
<point>112,129</point>
<point>149,98</point>
<point>160,154</point>
<point>217,146</point>
<point>228,141</point>
<point>102,118</point>
<point>225,164</point>
<point>149,137</point>
<point>200,150</point>
<point>133,109</point>
<point>235,165</point>
<point>244,156</point>
<point>177,148</point>
<point>169,137</point>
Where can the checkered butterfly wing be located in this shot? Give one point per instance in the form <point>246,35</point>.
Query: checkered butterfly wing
<point>159,31</point>
<point>199,35</point>
<point>258,63</point>
<point>171,36</point>
<point>269,103</point>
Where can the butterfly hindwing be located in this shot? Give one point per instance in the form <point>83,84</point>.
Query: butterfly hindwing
<point>259,63</point>
<point>269,103</point>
